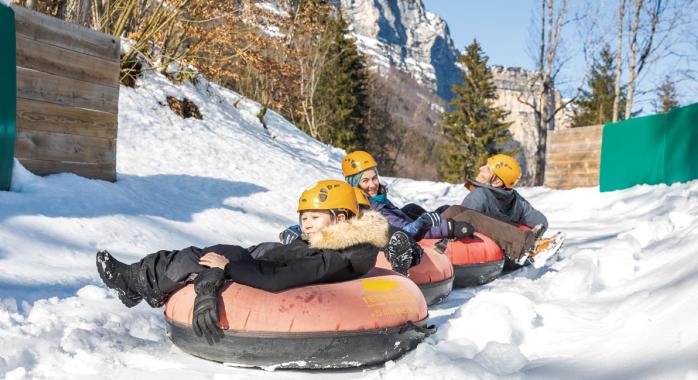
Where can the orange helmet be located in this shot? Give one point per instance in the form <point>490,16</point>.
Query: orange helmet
<point>356,162</point>
<point>361,198</point>
<point>506,168</point>
<point>329,195</point>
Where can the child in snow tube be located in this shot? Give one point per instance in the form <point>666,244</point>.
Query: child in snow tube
<point>433,273</point>
<point>338,247</point>
<point>397,260</point>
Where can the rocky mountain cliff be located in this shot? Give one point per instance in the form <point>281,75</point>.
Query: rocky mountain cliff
<point>403,35</point>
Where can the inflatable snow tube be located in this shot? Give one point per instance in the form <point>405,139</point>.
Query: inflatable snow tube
<point>433,275</point>
<point>370,320</point>
<point>475,261</point>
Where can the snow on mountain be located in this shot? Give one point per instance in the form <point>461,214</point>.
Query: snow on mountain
<point>619,302</point>
<point>402,34</point>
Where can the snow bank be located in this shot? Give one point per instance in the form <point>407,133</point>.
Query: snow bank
<point>619,301</point>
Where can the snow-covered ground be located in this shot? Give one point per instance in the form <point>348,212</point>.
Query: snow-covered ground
<point>620,302</point>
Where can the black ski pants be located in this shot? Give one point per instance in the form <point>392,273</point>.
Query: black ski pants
<point>164,272</point>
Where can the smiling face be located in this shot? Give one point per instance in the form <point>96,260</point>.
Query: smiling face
<point>486,176</point>
<point>315,221</point>
<point>370,183</point>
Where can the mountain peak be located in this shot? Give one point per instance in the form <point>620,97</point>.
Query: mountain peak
<point>403,34</point>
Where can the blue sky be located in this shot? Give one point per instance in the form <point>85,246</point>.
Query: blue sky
<point>504,38</point>
<point>503,28</point>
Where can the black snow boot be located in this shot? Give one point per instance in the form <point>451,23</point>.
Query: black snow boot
<point>399,252</point>
<point>119,276</point>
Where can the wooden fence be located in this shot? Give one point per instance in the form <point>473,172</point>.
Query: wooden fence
<point>67,97</point>
<point>573,157</point>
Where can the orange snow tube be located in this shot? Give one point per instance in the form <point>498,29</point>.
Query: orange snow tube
<point>433,275</point>
<point>370,320</point>
<point>475,261</point>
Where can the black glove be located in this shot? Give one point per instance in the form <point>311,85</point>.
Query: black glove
<point>460,230</point>
<point>205,317</point>
<point>430,219</point>
<point>424,223</point>
<point>290,234</point>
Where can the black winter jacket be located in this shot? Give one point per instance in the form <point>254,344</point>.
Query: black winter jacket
<point>340,252</point>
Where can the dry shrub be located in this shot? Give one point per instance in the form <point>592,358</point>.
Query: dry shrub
<point>184,108</point>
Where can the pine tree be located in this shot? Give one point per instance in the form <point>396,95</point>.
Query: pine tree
<point>595,105</point>
<point>474,129</point>
<point>666,97</point>
<point>341,100</point>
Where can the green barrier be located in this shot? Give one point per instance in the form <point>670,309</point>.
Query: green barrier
<point>8,95</point>
<point>681,160</point>
<point>650,150</point>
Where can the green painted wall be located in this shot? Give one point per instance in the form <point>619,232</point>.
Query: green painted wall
<point>8,95</point>
<point>650,150</point>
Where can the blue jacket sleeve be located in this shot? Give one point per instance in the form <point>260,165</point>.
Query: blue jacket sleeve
<point>413,228</point>
<point>475,200</point>
<point>532,217</point>
<point>394,215</point>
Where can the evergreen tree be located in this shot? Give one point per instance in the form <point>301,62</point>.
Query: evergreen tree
<point>595,105</point>
<point>474,129</point>
<point>341,100</point>
<point>666,97</point>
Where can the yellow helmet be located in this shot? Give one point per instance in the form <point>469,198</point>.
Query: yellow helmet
<point>356,162</point>
<point>329,195</point>
<point>506,168</point>
<point>361,198</point>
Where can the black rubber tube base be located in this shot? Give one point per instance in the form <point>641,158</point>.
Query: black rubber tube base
<point>476,274</point>
<point>437,291</point>
<point>324,350</point>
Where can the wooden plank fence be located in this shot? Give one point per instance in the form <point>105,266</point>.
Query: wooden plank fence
<point>573,158</point>
<point>67,97</point>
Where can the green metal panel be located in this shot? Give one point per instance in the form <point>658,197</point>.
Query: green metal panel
<point>682,144</point>
<point>632,152</point>
<point>8,95</point>
<point>650,150</point>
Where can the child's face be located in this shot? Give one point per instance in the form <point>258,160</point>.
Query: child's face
<point>370,183</point>
<point>314,221</point>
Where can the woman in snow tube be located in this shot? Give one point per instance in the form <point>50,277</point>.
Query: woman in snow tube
<point>338,248</point>
<point>361,171</point>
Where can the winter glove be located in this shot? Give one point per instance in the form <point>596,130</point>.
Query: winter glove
<point>290,234</point>
<point>205,317</point>
<point>420,226</point>
<point>430,219</point>
<point>460,230</point>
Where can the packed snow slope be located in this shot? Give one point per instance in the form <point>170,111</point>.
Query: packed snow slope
<point>620,301</point>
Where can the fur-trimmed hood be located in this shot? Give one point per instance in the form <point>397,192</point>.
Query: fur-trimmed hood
<point>371,228</point>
